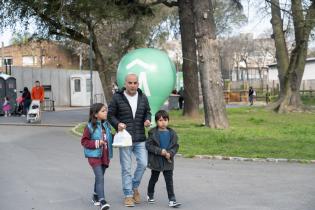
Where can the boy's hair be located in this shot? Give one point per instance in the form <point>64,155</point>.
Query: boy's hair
<point>163,114</point>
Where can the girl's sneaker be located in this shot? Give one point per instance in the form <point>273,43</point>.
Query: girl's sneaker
<point>95,200</point>
<point>104,205</point>
<point>150,200</point>
<point>174,204</point>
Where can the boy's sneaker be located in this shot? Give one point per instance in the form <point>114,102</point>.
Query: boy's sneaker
<point>95,200</point>
<point>174,204</point>
<point>104,205</point>
<point>150,200</point>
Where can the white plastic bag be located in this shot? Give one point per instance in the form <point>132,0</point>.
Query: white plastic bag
<point>122,139</point>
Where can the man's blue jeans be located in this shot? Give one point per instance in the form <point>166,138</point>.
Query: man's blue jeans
<point>99,172</point>
<point>128,182</point>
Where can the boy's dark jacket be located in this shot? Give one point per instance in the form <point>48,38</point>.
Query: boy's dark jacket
<point>155,160</point>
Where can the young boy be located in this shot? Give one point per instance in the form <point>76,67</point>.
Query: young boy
<point>162,146</point>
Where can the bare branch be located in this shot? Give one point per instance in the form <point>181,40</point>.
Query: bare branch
<point>310,18</point>
<point>59,28</point>
<point>165,2</point>
<point>278,7</point>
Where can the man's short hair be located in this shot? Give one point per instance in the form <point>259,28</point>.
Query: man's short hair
<point>37,81</point>
<point>131,73</point>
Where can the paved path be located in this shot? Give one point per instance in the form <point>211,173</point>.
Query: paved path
<point>43,168</point>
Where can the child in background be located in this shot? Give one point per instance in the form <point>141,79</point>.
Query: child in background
<point>6,107</point>
<point>97,143</point>
<point>162,146</point>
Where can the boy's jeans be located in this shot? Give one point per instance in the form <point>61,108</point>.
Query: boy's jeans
<point>99,181</point>
<point>168,176</point>
<point>128,182</point>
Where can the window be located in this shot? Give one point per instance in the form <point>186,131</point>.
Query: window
<point>27,61</point>
<point>7,61</point>
<point>77,85</point>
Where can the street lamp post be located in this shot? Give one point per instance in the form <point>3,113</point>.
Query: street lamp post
<point>91,67</point>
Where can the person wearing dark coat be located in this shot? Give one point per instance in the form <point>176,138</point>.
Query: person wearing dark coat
<point>130,110</point>
<point>26,96</point>
<point>251,94</point>
<point>162,146</point>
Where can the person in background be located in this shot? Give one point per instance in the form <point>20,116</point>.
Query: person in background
<point>26,100</point>
<point>181,97</point>
<point>38,92</point>
<point>6,107</point>
<point>251,93</point>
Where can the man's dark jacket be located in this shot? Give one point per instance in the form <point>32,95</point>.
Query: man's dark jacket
<point>119,111</point>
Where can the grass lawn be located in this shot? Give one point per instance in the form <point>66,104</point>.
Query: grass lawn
<point>253,132</point>
<point>310,101</point>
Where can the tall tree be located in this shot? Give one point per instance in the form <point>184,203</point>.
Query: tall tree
<point>291,66</point>
<point>79,21</point>
<point>227,14</point>
<point>209,66</point>
<point>190,69</point>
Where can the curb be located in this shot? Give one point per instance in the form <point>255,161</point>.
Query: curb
<point>219,157</point>
<point>274,160</point>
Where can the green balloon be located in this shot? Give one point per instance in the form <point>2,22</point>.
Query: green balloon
<point>156,73</point>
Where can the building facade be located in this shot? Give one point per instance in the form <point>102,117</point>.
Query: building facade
<point>308,79</point>
<point>40,54</point>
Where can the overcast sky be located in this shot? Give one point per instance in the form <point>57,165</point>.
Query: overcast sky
<point>258,17</point>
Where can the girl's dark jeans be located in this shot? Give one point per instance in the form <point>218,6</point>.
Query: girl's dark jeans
<point>99,172</point>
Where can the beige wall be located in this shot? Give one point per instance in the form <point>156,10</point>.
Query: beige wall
<point>59,79</point>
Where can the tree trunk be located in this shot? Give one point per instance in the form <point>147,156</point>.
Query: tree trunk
<point>103,71</point>
<point>190,69</point>
<point>209,66</point>
<point>291,71</point>
<point>282,54</point>
<point>290,99</point>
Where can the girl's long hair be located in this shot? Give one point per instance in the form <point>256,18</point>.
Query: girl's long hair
<point>94,109</point>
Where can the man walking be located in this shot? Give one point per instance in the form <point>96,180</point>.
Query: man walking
<point>130,110</point>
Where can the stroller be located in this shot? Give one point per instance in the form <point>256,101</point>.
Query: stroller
<point>34,113</point>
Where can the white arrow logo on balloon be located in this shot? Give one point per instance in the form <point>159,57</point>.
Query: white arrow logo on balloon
<point>143,82</point>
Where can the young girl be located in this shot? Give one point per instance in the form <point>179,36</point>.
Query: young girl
<point>97,143</point>
<point>162,146</point>
<point>6,107</point>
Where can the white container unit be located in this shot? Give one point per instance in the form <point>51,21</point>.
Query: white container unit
<point>80,90</point>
